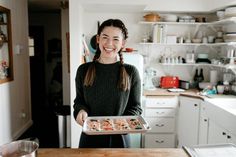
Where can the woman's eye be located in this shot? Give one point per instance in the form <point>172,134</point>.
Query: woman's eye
<point>104,37</point>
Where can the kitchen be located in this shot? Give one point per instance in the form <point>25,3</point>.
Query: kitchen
<point>88,15</point>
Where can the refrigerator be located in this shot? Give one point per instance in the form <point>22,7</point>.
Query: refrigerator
<point>136,60</point>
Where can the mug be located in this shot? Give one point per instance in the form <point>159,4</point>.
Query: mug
<point>220,89</point>
<point>211,38</point>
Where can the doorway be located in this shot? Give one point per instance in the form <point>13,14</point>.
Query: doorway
<point>45,126</point>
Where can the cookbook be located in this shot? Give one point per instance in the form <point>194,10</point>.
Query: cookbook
<point>102,125</point>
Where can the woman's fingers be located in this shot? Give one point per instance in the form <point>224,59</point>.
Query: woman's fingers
<point>82,115</point>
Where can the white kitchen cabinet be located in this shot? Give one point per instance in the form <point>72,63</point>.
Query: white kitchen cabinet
<point>204,124</point>
<point>160,113</point>
<point>188,121</point>
<point>218,134</point>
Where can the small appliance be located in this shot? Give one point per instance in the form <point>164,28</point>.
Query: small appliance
<point>169,82</point>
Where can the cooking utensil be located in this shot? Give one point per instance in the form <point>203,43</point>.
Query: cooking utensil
<point>152,17</point>
<point>20,148</point>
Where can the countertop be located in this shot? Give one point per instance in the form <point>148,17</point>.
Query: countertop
<point>164,92</point>
<point>115,152</point>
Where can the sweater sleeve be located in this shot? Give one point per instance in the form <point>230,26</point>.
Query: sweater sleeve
<point>134,101</point>
<point>79,101</point>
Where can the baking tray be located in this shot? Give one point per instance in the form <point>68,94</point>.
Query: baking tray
<point>103,125</point>
<point>212,150</point>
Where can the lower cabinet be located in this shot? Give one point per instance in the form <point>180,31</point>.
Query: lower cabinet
<point>159,140</point>
<point>160,113</point>
<point>217,134</point>
<point>188,121</point>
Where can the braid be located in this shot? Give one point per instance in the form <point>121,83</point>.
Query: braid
<point>91,72</point>
<point>124,81</point>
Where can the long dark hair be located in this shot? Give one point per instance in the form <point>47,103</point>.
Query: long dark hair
<point>124,80</point>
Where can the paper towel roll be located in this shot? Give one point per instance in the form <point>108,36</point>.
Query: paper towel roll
<point>213,76</point>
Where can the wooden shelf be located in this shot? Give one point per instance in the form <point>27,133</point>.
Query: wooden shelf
<point>6,60</point>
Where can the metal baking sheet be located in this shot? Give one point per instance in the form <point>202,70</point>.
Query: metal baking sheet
<point>212,150</point>
<point>103,125</point>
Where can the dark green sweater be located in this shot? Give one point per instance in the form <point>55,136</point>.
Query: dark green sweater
<point>104,98</point>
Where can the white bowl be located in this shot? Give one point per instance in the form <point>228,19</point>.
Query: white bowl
<point>170,18</point>
<point>202,56</point>
<point>220,14</point>
<point>203,85</point>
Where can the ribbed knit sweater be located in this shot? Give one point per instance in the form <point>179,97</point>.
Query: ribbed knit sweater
<point>103,98</point>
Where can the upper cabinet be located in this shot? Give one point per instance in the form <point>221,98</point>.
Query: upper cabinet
<point>6,62</point>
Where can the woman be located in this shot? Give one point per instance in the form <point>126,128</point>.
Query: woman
<point>106,86</point>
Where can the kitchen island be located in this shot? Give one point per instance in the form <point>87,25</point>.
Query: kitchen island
<point>115,152</point>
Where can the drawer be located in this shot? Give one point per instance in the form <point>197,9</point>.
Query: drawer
<point>159,112</point>
<point>167,101</point>
<point>159,141</point>
<point>161,125</point>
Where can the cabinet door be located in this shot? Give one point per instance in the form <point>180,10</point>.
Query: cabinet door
<point>217,134</point>
<point>188,121</point>
<point>159,112</point>
<point>161,125</point>
<point>203,130</point>
<point>204,124</point>
<point>159,141</point>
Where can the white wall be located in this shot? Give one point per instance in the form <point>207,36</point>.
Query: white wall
<point>15,95</point>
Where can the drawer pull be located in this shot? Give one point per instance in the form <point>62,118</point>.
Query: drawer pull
<point>160,125</point>
<point>229,137</point>
<point>223,133</point>
<point>160,112</point>
<point>205,120</point>
<point>159,141</point>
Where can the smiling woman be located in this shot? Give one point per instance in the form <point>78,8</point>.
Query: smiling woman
<point>106,86</point>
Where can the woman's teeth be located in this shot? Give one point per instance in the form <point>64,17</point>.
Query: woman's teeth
<point>108,49</point>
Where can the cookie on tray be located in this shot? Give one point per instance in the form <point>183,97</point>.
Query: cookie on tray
<point>107,124</point>
<point>93,125</point>
<point>134,124</point>
<point>121,124</point>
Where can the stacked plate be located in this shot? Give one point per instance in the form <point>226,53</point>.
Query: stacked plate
<point>230,12</point>
<point>230,37</point>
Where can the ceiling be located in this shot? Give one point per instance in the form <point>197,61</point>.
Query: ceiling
<point>46,5</point>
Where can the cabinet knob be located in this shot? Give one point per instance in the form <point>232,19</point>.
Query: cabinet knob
<point>223,133</point>
<point>205,120</point>
<point>195,104</point>
<point>228,136</point>
<point>159,141</point>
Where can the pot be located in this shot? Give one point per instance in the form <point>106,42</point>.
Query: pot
<point>20,148</point>
<point>152,17</point>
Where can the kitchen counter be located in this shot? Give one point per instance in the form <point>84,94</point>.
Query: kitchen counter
<point>116,152</point>
<point>164,92</point>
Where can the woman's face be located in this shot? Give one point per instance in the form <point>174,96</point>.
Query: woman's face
<point>111,41</point>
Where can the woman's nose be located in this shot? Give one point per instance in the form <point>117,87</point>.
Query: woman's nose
<point>109,42</point>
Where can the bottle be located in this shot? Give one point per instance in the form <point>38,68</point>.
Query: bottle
<point>195,78</point>
<point>201,77</point>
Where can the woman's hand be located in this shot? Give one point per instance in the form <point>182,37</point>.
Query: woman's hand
<point>82,115</point>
